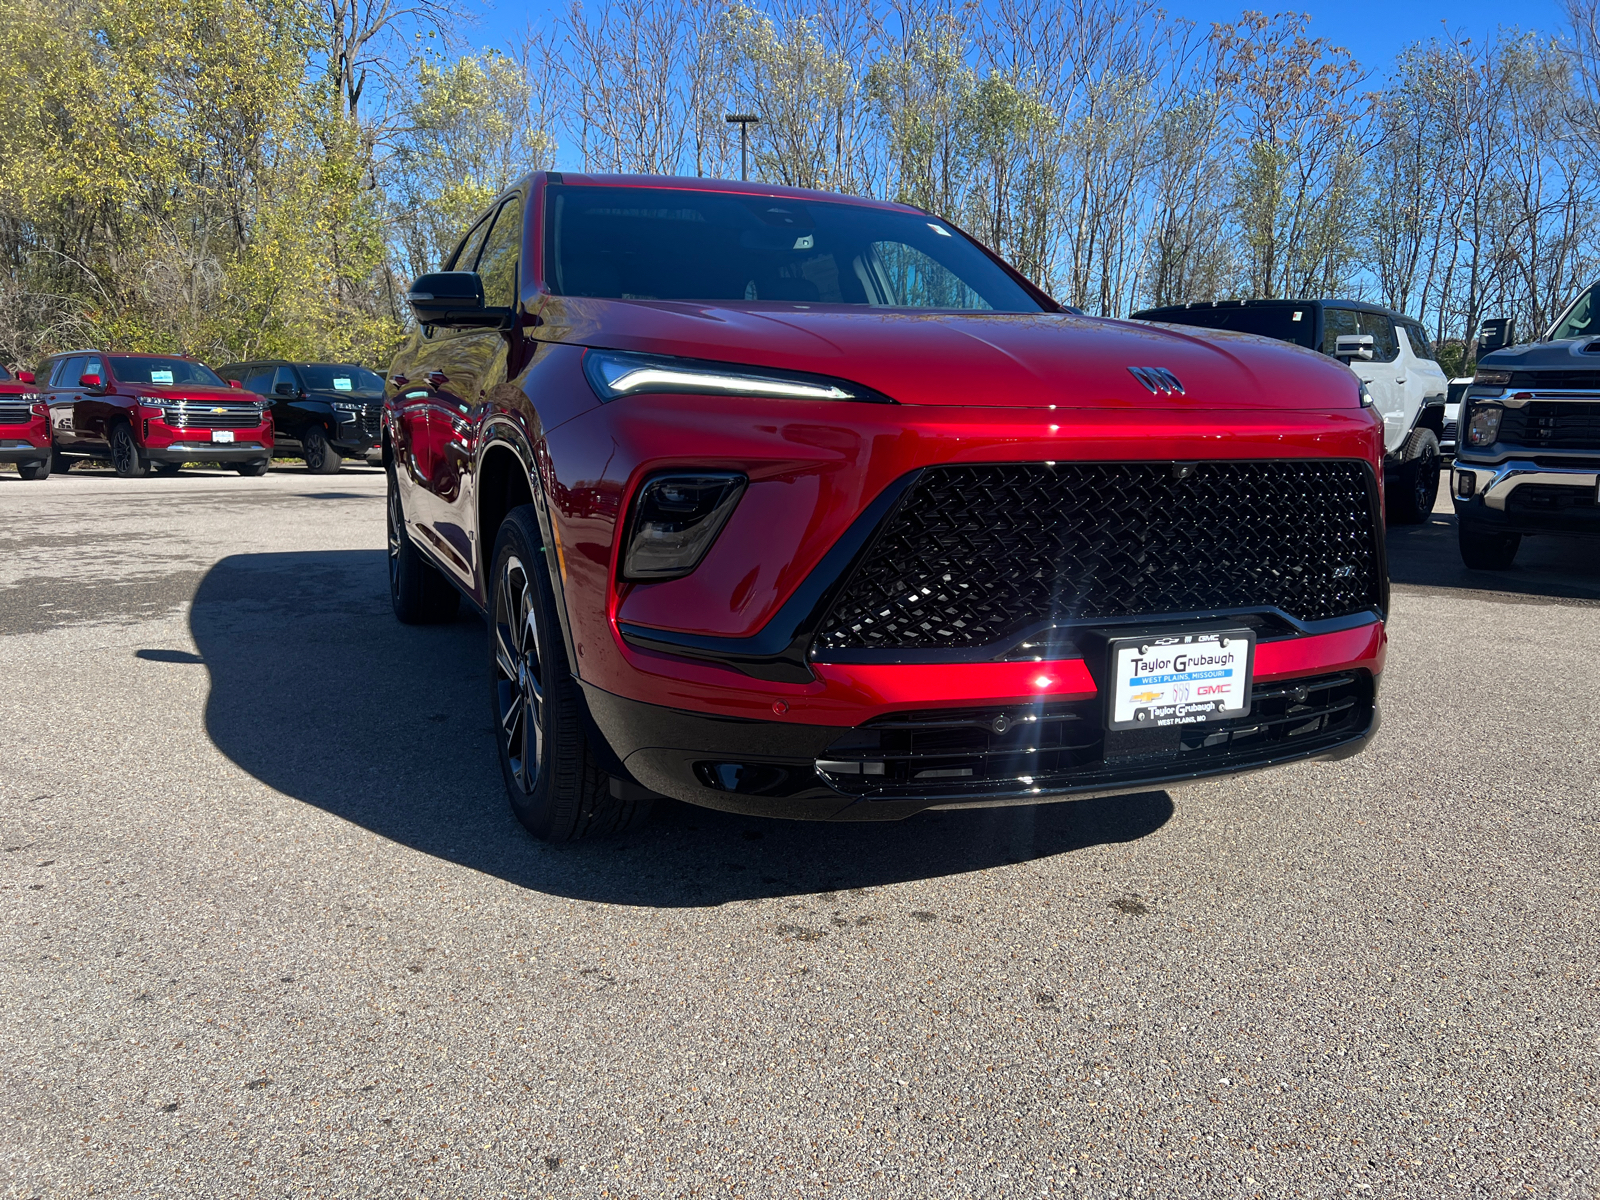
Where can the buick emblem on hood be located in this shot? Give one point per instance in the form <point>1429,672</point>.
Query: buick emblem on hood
<point>1158,381</point>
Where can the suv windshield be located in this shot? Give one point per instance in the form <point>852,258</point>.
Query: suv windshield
<point>129,369</point>
<point>356,380</point>
<point>626,243</point>
<point>1282,322</point>
<point>1580,320</point>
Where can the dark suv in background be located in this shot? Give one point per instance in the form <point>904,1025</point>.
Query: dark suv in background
<point>323,412</point>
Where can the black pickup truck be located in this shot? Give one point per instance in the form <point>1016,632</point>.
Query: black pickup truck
<point>1528,451</point>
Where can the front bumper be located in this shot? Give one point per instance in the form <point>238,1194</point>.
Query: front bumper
<point>1524,496</point>
<point>1316,699</point>
<point>18,450</point>
<point>223,452</point>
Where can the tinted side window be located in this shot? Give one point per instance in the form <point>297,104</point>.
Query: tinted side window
<point>72,370</point>
<point>1420,346</point>
<point>58,373</point>
<point>285,375</point>
<point>470,245</point>
<point>1385,343</point>
<point>1336,323</point>
<point>259,381</point>
<point>498,262</point>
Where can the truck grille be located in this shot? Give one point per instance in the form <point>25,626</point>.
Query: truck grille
<point>975,555</point>
<point>1541,423</point>
<point>1582,381</point>
<point>971,752</point>
<point>371,421</point>
<point>212,416</point>
<point>14,412</point>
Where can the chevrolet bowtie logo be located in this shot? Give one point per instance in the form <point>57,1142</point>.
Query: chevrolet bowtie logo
<point>223,410</point>
<point>1158,381</point>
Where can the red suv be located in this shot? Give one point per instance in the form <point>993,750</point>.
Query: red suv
<point>786,503</point>
<point>144,410</point>
<point>24,425</point>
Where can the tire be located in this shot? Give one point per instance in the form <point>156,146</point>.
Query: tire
<point>125,456</point>
<point>1415,488</point>
<point>39,468</point>
<point>321,458</point>
<point>1487,550</point>
<point>166,468</point>
<point>556,787</point>
<point>59,462</point>
<point>253,470</point>
<point>421,595</point>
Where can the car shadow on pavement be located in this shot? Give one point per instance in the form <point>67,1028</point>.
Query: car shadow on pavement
<point>318,692</point>
<point>1547,567</point>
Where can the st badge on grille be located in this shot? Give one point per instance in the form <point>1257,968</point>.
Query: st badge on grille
<point>1158,381</point>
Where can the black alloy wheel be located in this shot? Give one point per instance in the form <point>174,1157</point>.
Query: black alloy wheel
<point>125,456</point>
<point>321,458</point>
<point>38,468</point>
<point>553,779</point>
<point>519,682</point>
<point>420,594</point>
<point>1415,487</point>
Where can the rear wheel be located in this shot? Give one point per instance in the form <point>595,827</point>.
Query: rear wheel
<point>255,469</point>
<point>1486,549</point>
<point>321,458</point>
<point>419,593</point>
<point>39,468</point>
<point>1415,489</point>
<point>125,456</point>
<point>557,789</point>
<point>166,468</point>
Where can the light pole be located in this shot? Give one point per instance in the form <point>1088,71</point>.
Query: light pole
<point>743,121</point>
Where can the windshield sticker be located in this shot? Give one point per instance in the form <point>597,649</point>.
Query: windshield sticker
<point>160,376</point>
<point>341,383</point>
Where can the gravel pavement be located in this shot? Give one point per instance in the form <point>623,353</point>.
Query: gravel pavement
<point>270,930</point>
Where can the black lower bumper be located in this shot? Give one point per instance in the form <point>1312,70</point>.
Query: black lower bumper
<point>182,452</point>
<point>880,771</point>
<point>15,453</point>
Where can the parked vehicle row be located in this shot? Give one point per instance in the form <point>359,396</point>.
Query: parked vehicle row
<point>155,412</point>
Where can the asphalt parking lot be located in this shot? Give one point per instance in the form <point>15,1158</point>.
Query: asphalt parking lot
<point>270,929</point>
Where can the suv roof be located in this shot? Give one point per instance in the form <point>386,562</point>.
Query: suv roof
<point>1202,305</point>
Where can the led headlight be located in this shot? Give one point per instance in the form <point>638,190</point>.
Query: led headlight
<point>675,519</point>
<point>1492,378</point>
<point>615,373</point>
<point>1483,425</point>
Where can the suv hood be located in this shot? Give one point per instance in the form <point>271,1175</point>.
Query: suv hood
<point>195,394</point>
<point>1000,360</point>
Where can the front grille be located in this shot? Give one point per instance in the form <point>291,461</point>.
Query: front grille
<point>1541,423</point>
<point>206,416</point>
<point>976,555</point>
<point>1544,498</point>
<point>1449,435</point>
<point>371,421</point>
<point>14,412</point>
<point>1014,750</point>
<point>1581,381</point>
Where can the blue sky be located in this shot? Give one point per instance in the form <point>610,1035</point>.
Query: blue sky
<point>1373,30</point>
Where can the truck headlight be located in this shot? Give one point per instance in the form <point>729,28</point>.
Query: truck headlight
<point>1492,378</point>
<point>675,519</point>
<point>1483,425</point>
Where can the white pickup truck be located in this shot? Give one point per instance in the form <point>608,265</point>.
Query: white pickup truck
<point>1391,354</point>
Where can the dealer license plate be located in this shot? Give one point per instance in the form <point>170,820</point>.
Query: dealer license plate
<point>1180,680</point>
<point>222,435</point>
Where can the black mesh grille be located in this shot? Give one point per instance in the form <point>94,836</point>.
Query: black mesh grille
<point>14,412</point>
<point>1557,380</point>
<point>978,554</point>
<point>973,752</point>
<point>1552,423</point>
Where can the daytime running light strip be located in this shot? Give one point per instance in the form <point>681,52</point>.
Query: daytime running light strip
<point>641,377</point>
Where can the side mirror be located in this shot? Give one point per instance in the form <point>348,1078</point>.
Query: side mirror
<point>234,383</point>
<point>26,377</point>
<point>1354,346</point>
<point>285,389</point>
<point>454,300</point>
<point>1495,334</point>
<point>92,382</point>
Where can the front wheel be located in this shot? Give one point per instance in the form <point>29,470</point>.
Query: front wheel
<point>39,468</point>
<point>1486,550</point>
<point>254,470</point>
<point>1416,483</point>
<point>125,456</point>
<point>419,593</point>
<point>557,790</point>
<point>321,458</point>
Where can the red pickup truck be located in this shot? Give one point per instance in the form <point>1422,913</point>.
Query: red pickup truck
<point>24,425</point>
<point>152,410</point>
